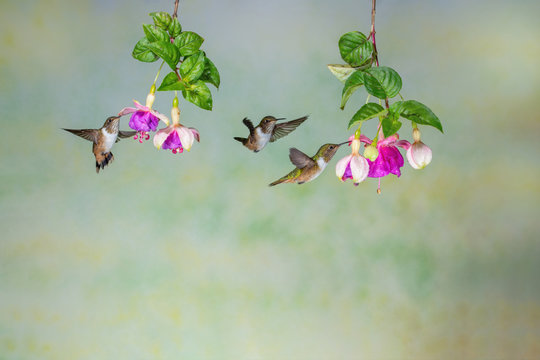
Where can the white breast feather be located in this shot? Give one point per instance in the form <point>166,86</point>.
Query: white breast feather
<point>262,137</point>
<point>110,139</point>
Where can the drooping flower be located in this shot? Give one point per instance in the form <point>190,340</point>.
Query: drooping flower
<point>353,166</point>
<point>176,136</point>
<point>144,118</point>
<point>389,159</point>
<point>418,154</point>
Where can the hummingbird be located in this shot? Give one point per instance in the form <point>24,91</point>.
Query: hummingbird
<point>268,130</point>
<point>308,168</point>
<point>103,139</point>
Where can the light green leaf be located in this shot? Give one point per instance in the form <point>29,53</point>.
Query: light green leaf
<point>192,67</point>
<point>199,94</point>
<point>366,112</point>
<point>355,49</point>
<point>351,85</point>
<point>166,51</point>
<point>188,43</point>
<point>210,73</point>
<point>161,19</point>
<point>382,82</point>
<point>154,33</point>
<point>342,72</point>
<point>420,114</point>
<point>171,82</point>
<point>141,51</point>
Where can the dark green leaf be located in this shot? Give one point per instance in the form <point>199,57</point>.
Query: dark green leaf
<point>166,51</point>
<point>175,28</point>
<point>171,82</point>
<point>154,33</point>
<point>199,94</point>
<point>188,43</point>
<point>420,114</point>
<point>161,19</point>
<point>382,82</point>
<point>351,85</point>
<point>141,51</point>
<point>390,125</point>
<point>192,67</point>
<point>395,110</point>
<point>210,73</point>
<point>366,112</point>
<point>355,49</point>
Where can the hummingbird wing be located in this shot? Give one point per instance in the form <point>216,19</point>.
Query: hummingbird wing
<point>125,134</point>
<point>88,134</point>
<point>249,125</point>
<point>283,129</point>
<point>299,159</point>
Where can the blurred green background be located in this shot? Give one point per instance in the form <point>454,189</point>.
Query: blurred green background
<point>193,256</point>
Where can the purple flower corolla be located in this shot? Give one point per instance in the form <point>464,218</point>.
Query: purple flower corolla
<point>353,166</point>
<point>418,154</point>
<point>176,136</point>
<point>144,118</point>
<point>389,160</point>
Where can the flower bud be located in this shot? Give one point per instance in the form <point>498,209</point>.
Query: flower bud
<point>371,153</point>
<point>419,155</point>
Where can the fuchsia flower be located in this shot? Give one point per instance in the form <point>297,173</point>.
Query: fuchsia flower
<point>389,159</point>
<point>418,154</point>
<point>353,166</point>
<point>176,136</point>
<point>144,118</point>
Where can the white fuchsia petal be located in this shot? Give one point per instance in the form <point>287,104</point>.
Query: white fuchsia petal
<point>341,166</point>
<point>161,136</point>
<point>419,155</point>
<point>139,106</point>
<point>359,168</point>
<point>195,133</point>
<point>161,117</point>
<point>186,137</point>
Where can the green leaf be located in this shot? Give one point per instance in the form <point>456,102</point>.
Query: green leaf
<point>154,33</point>
<point>166,51</point>
<point>161,19</point>
<point>355,49</point>
<point>199,94</point>
<point>171,82</point>
<point>192,67</point>
<point>141,51</point>
<point>390,125</point>
<point>382,82</point>
<point>351,85</point>
<point>210,73</point>
<point>174,28</point>
<point>420,114</point>
<point>366,112</point>
<point>342,72</point>
<point>188,43</point>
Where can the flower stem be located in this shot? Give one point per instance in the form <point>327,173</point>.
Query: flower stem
<point>157,75</point>
<point>175,13</point>
<point>372,33</point>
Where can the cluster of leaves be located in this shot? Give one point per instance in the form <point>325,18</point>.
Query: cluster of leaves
<point>381,82</point>
<point>191,69</point>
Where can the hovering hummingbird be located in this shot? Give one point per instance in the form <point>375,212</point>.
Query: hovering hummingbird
<point>308,168</point>
<point>103,139</point>
<point>267,130</point>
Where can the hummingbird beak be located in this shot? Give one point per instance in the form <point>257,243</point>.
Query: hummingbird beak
<point>343,143</point>
<point>280,118</point>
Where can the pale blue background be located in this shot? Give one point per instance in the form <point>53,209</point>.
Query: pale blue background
<point>195,257</point>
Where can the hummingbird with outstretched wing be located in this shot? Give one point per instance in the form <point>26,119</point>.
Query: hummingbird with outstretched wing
<point>268,130</point>
<point>103,139</point>
<point>308,168</point>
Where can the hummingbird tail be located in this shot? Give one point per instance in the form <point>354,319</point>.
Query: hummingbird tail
<point>279,181</point>
<point>103,161</point>
<point>242,140</point>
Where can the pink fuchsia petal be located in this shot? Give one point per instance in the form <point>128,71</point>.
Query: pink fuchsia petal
<point>419,155</point>
<point>127,110</point>
<point>195,134</point>
<point>140,106</point>
<point>342,166</point>
<point>363,139</point>
<point>359,168</point>
<point>161,117</point>
<point>389,161</point>
<point>404,144</point>
<point>161,136</point>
